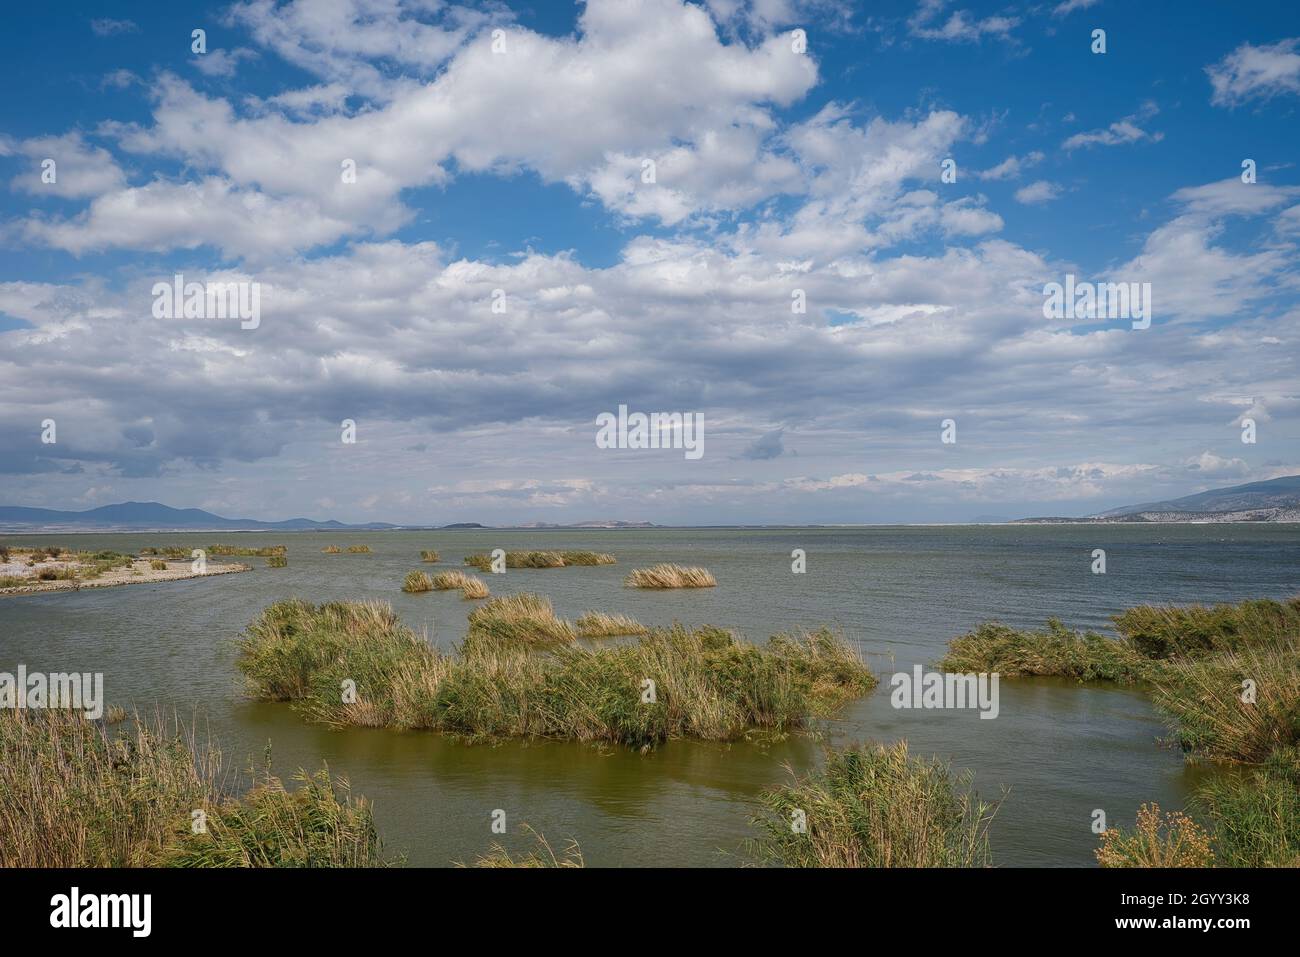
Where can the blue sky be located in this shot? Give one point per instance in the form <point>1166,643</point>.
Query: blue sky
<point>517,169</point>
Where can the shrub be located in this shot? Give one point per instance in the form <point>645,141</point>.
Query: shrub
<point>1172,841</point>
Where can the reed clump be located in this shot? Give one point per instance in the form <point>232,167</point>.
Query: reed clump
<point>268,551</point>
<point>676,682</point>
<point>483,562</point>
<point>74,793</point>
<point>276,561</point>
<point>874,806</point>
<point>670,576</point>
<point>598,624</point>
<point>1256,814</point>
<point>359,550</point>
<point>1190,632</point>
<point>471,586</point>
<point>429,555</point>
<point>417,582</point>
<point>158,565</point>
<point>1055,651</point>
<point>1169,840</point>
<point>524,619</point>
<point>331,550</point>
<point>542,855</point>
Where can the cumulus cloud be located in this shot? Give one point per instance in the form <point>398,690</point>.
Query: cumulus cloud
<point>1041,191</point>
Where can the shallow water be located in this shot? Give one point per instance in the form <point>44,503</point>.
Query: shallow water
<point>1058,749</point>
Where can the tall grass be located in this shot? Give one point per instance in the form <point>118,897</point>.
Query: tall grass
<point>1058,651</point>
<point>1197,631</point>
<point>1256,815</point>
<point>670,576</point>
<point>524,619</point>
<point>74,793</point>
<point>417,582</point>
<point>429,555</point>
<point>276,561</point>
<point>875,806</point>
<point>703,683</point>
<point>470,586</point>
<point>543,855</point>
<point>331,550</point>
<point>598,624</point>
<point>483,562</point>
<point>359,549</point>
<point>265,552</point>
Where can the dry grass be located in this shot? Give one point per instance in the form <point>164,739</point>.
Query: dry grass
<point>331,550</point>
<point>471,586</point>
<point>429,555</point>
<point>542,856</point>
<point>417,582</point>
<point>670,576</point>
<point>359,549</point>
<point>598,624</point>
<point>525,619</point>
<point>1172,841</point>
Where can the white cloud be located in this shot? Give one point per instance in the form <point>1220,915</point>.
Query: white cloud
<point>1040,191</point>
<point>1256,72</point>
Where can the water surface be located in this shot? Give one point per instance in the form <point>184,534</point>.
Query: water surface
<point>1057,749</point>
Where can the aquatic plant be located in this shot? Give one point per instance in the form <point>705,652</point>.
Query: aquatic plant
<point>1056,651</point>
<point>598,624</point>
<point>1256,815</point>
<point>676,682</point>
<point>1174,840</point>
<point>524,619</point>
<point>359,549</point>
<point>1188,632</point>
<point>874,806</point>
<point>483,562</point>
<point>417,582</point>
<point>74,793</point>
<point>470,586</point>
<point>670,576</point>
<point>331,550</point>
<point>428,555</point>
<point>543,855</point>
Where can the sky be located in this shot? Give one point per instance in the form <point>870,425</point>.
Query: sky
<point>824,230</point>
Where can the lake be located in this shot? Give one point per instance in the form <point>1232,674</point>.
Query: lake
<point>1058,750</point>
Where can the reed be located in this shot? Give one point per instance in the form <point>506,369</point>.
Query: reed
<point>276,561</point>
<point>524,619</point>
<point>1056,651</point>
<point>1197,631</point>
<point>74,793</point>
<point>470,586</point>
<point>1256,815</point>
<point>670,576</point>
<point>503,682</point>
<point>417,582</point>
<point>874,806</point>
<point>534,559</point>
<point>598,624</point>
<point>158,565</point>
<point>331,550</point>
<point>359,549</point>
<point>542,855</point>
<point>428,555</point>
<point>264,552</point>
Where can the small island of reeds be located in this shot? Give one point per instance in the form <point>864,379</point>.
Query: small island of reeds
<point>670,576</point>
<point>541,560</point>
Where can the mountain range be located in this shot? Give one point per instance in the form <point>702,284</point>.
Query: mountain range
<point>1277,500</point>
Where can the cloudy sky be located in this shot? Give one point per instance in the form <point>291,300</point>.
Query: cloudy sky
<point>510,147</point>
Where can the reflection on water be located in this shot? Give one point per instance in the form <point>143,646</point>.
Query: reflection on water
<point>1059,750</point>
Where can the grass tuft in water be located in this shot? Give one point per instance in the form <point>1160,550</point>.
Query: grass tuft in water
<point>670,576</point>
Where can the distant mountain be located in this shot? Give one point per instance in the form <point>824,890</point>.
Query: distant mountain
<point>1277,500</point>
<point>153,516</point>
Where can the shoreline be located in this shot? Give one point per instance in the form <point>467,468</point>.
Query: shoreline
<point>111,580</point>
